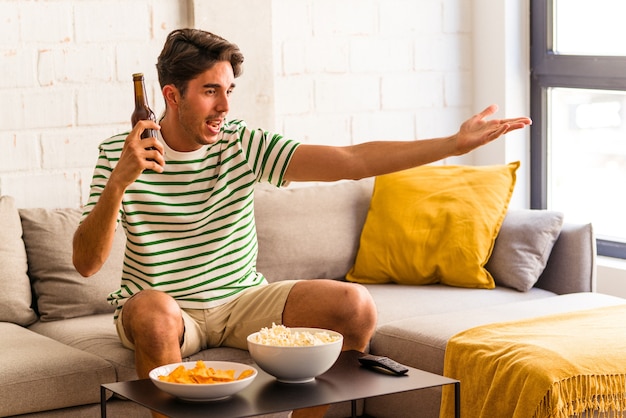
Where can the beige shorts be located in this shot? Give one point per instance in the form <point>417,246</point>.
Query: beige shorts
<point>229,324</point>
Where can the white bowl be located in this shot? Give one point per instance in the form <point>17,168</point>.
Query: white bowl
<point>296,364</point>
<point>207,391</point>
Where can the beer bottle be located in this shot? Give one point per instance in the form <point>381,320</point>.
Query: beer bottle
<point>142,110</point>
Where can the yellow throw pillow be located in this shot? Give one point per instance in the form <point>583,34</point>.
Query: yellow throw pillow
<point>434,224</point>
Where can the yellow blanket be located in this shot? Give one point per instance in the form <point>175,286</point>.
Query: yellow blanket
<point>553,366</point>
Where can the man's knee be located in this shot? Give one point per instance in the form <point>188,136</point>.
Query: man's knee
<point>152,303</point>
<point>361,300</point>
<point>151,312</point>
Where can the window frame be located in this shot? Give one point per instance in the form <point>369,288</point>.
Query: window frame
<point>550,69</point>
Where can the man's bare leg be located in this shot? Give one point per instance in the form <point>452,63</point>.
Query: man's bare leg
<point>153,323</point>
<point>344,307</point>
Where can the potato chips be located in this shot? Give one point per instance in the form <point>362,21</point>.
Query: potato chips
<point>203,375</point>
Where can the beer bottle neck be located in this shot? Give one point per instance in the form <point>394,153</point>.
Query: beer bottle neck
<point>140,94</point>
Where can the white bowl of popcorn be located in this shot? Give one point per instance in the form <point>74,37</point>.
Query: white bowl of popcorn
<point>295,355</point>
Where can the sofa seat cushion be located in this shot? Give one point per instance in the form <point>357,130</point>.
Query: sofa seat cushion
<point>421,341</point>
<point>396,302</point>
<point>94,334</point>
<point>38,373</point>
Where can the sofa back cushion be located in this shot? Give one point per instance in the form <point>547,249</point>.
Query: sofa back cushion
<point>60,291</point>
<point>310,232</point>
<point>15,298</point>
<point>572,264</point>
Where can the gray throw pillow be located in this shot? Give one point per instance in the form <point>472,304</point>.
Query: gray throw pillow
<point>60,291</point>
<point>16,297</point>
<point>523,246</point>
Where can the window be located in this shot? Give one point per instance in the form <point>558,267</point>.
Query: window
<point>578,106</point>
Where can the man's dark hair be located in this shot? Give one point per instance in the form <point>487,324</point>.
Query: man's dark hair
<point>189,52</point>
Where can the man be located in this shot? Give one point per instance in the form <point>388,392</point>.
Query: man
<point>185,199</point>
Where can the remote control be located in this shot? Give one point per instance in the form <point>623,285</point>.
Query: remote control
<point>383,364</point>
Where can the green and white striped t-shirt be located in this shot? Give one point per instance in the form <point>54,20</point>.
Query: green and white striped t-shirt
<point>190,229</point>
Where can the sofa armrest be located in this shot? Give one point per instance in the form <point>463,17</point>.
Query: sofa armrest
<point>571,267</point>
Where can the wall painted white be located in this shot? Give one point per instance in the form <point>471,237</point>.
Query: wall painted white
<point>501,75</point>
<point>248,24</point>
<point>66,84</point>
<point>370,70</point>
<point>612,276</point>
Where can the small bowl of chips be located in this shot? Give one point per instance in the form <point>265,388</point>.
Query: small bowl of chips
<point>202,381</point>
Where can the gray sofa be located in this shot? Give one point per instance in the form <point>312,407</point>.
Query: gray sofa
<point>59,344</point>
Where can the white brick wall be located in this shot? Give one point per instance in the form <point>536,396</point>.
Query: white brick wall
<point>66,84</point>
<point>350,71</point>
<point>341,71</point>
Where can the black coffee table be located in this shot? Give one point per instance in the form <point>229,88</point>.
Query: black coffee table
<point>345,381</point>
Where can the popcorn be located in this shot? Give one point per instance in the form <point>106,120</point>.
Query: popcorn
<point>280,335</point>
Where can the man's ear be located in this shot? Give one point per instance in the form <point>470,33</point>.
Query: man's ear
<point>171,95</point>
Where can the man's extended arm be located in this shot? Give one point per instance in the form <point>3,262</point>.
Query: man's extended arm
<point>327,163</point>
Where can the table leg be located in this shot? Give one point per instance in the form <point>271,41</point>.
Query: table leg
<point>457,400</point>
<point>353,408</point>
<point>103,402</point>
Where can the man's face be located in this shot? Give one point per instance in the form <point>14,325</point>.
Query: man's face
<point>203,108</point>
